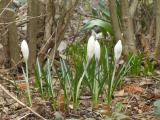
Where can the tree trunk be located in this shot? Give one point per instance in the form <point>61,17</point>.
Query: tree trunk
<point>128,30</point>
<point>3,4</point>
<point>13,38</point>
<point>115,22</point>
<point>9,37</point>
<point>61,20</point>
<point>133,7</point>
<point>32,31</point>
<point>157,46</point>
<point>49,19</point>
<point>4,32</point>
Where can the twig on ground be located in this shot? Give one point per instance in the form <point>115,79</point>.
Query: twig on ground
<point>128,103</point>
<point>23,116</point>
<point>21,103</point>
<point>156,78</point>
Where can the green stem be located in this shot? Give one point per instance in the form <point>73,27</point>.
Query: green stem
<point>80,81</point>
<point>27,83</point>
<point>95,85</point>
<point>111,85</point>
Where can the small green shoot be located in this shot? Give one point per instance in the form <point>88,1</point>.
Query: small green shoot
<point>43,77</point>
<point>25,74</point>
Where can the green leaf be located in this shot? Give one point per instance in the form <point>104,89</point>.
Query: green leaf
<point>38,77</point>
<point>104,26</point>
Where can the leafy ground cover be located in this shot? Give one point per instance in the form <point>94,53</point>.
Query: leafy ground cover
<point>133,96</point>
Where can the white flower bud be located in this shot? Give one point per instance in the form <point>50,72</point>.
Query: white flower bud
<point>90,47</point>
<point>25,50</point>
<point>97,51</point>
<point>118,50</point>
<point>99,35</point>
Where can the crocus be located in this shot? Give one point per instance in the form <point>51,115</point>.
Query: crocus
<point>25,50</point>
<point>90,47</point>
<point>118,50</point>
<point>97,51</point>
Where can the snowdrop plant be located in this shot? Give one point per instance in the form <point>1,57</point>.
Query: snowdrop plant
<point>93,49</point>
<point>117,55</point>
<point>25,53</point>
<point>99,75</point>
<point>90,54</point>
<point>95,91</point>
<point>69,75</point>
<point>43,81</point>
<point>116,75</point>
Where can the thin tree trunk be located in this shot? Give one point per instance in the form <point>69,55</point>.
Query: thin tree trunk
<point>13,38</point>
<point>32,31</point>
<point>127,26</point>
<point>115,22</point>
<point>133,7</point>
<point>157,51</point>
<point>9,39</point>
<point>59,27</point>
<point>3,5</point>
<point>49,19</point>
<point>4,32</point>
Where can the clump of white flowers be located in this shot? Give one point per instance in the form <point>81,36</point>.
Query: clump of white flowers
<point>93,49</point>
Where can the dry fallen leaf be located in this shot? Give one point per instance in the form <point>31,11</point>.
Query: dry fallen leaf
<point>119,93</point>
<point>60,103</point>
<point>133,89</point>
<point>104,109</point>
<point>22,86</point>
<point>70,106</point>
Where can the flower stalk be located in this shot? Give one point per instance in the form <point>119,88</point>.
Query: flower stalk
<point>25,53</point>
<point>117,55</point>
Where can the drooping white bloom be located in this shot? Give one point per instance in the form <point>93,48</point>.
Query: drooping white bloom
<point>118,50</point>
<point>99,35</point>
<point>90,47</point>
<point>25,50</point>
<point>97,51</point>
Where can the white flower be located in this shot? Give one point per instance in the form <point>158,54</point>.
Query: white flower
<point>99,35</point>
<point>97,51</point>
<point>118,50</point>
<point>90,47</point>
<point>25,50</point>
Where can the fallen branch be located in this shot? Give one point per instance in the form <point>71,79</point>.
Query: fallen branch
<point>18,101</point>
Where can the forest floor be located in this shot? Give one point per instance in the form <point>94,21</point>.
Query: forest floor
<point>134,101</point>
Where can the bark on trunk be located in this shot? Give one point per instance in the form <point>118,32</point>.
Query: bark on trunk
<point>13,39</point>
<point>32,31</point>
<point>61,20</point>
<point>157,46</point>
<point>115,22</point>
<point>128,30</point>
<point>133,7</point>
<point>9,33</point>
<point>49,19</point>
